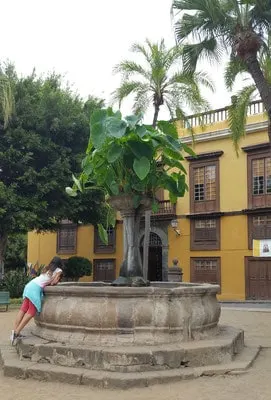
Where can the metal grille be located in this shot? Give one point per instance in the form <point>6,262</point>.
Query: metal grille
<point>155,240</point>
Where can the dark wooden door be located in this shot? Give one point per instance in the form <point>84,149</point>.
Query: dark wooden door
<point>258,278</point>
<point>155,270</point>
<point>104,270</point>
<point>155,264</point>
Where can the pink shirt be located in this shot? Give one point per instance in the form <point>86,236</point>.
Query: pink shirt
<point>45,279</point>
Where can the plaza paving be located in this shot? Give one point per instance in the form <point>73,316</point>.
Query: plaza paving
<point>256,384</point>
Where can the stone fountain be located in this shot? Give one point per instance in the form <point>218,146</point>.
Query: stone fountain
<point>107,336</point>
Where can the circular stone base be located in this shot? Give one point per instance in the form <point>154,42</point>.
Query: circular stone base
<point>221,349</point>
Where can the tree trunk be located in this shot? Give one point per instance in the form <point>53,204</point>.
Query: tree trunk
<point>262,85</point>
<point>155,117</point>
<point>3,246</point>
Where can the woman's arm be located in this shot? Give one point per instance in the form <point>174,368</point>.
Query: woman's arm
<point>56,278</point>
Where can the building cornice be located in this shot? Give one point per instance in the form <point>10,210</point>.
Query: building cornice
<point>205,156</point>
<point>223,133</point>
<point>256,147</point>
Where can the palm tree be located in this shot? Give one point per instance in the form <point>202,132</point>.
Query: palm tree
<point>156,82</point>
<point>207,28</point>
<point>237,112</point>
<point>6,99</point>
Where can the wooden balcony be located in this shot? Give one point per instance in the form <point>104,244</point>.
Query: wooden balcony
<point>166,210</point>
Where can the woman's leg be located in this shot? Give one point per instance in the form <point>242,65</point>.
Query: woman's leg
<point>23,310</point>
<point>26,318</point>
<point>18,319</point>
<point>31,312</point>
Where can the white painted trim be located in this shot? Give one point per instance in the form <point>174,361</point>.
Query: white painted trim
<point>223,133</point>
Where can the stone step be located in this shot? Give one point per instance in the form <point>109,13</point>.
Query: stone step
<point>13,367</point>
<point>220,349</point>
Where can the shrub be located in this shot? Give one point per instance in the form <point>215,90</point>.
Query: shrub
<point>76,267</point>
<point>14,282</point>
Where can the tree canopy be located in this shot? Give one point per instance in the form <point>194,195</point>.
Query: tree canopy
<point>40,148</point>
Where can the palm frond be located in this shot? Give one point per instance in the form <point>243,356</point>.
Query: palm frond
<point>129,68</point>
<point>172,56</point>
<point>192,53</point>
<point>142,101</point>
<point>234,67</point>
<point>126,88</point>
<point>202,78</point>
<point>260,14</point>
<point>6,99</point>
<point>237,114</point>
<point>138,48</point>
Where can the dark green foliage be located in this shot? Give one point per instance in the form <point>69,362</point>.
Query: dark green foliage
<point>14,282</point>
<point>76,267</point>
<point>40,149</point>
<point>16,252</point>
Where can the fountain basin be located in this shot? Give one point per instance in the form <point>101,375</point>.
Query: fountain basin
<point>98,314</point>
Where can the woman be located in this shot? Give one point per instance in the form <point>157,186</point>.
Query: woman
<point>33,294</point>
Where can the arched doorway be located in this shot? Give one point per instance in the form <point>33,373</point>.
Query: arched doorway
<point>155,270</point>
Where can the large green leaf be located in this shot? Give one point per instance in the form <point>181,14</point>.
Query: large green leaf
<point>98,134</point>
<point>132,120</point>
<point>140,149</point>
<point>181,185</point>
<point>115,127</point>
<point>114,187</point>
<point>172,162</point>
<point>173,154</point>
<point>87,165</point>
<point>141,167</point>
<point>141,131</point>
<point>102,233</point>
<point>97,116</point>
<point>169,128</point>
<point>77,183</point>
<point>170,184</point>
<point>174,143</point>
<point>111,217</point>
<point>188,149</point>
<point>114,152</point>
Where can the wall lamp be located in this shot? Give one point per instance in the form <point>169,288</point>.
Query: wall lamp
<point>174,225</point>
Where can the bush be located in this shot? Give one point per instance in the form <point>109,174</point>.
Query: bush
<point>15,257</point>
<point>16,302</point>
<point>14,282</point>
<point>76,267</point>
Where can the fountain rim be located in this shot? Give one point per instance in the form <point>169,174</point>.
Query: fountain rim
<point>93,290</point>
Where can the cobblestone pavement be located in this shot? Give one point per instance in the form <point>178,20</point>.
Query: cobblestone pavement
<point>256,384</point>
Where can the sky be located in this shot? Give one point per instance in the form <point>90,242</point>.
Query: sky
<point>85,39</point>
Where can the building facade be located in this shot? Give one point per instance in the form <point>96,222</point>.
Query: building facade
<point>211,230</point>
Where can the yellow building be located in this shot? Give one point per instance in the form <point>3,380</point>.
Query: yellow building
<point>210,231</point>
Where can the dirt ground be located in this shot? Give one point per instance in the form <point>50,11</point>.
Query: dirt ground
<point>256,384</point>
